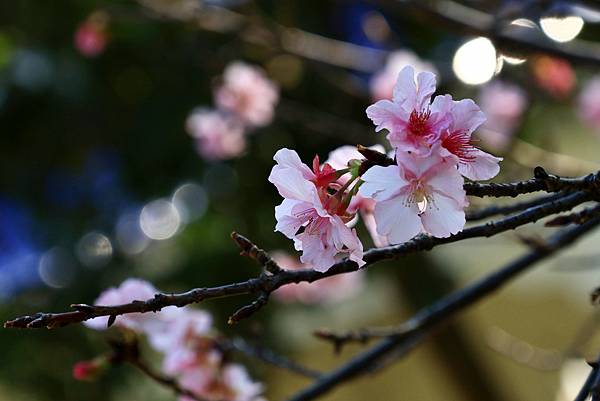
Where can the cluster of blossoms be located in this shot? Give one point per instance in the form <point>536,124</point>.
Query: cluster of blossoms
<point>245,100</point>
<point>188,341</point>
<point>421,191</point>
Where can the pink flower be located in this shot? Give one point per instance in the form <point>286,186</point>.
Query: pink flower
<point>90,39</point>
<point>413,123</point>
<point>330,289</point>
<point>184,326</point>
<point>503,105</point>
<point>456,142</point>
<point>247,92</point>
<point>217,135</point>
<point>310,215</point>
<point>554,75</point>
<point>417,195</point>
<point>338,159</point>
<point>383,82</point>
<point>232,383</point>
<point>130,290</point>
<point>589,103</point>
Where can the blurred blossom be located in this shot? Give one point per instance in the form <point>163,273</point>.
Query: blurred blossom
<point>191,201</point>
<point>554,75</point>
<point>129,235</point>
<point>160,220</point>
<point>503,105</point>
<point>130,290</point>
<point>94,250</point>
<point>562,28</point>
<point>91,35</point>
<point>57,268</point>
<point>589,103</point>
<point>32,70</point>
<point>332,289</point>
<point>217,135</point>
<point>383,82</point>
<point>476,61</point>
<point>247,92</point>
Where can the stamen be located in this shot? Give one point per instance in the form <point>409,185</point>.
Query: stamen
<point>417,122</point>
<point>459,143</point>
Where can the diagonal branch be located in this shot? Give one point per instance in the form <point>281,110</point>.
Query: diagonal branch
<point>265,284</point>
<point>413,331</point>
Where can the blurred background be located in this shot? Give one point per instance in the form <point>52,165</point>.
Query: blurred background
<point>103,177</point>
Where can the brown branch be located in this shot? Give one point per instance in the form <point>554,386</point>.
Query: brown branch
<point>412,332</point>
<point>574,218</point>
<point>265,284</point>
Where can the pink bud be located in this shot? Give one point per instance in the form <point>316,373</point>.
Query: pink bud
<point>89,370</point>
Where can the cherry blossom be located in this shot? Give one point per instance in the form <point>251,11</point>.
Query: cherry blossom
<point>331,289</point>
<point>383,82</point>
<point>338,159</point>
<point>232,383</point>
<point>247,92</point>
<point>416,195</point>
<point>91,36</point>
<point>310,215</point>
<point>218,136</point>
<point>130,290</point>
<point>554,75</point>
<point>503,104</point>
<point>589,103</point>
<point>456,141</point>
<point>413,123</point>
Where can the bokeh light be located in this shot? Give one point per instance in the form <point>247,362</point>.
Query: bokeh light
<point>160,219</point>
<point>190,201</point>
<point>562,29</point>
<point>94,250</point>
<point>129,236</point>
<point>56,268</point>
<point>476,62</point>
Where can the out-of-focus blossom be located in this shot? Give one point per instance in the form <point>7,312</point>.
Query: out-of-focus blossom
<point>503,104</point>
<point>420,194</point>
<point>310,215</point>
<point>413,123</point>
<point>247,92</point>
<point>383,82</point>
<point>456,141</point>
<point>331,289</point>
<point>589,103</point>
<point>130,290</point>
<point>91,36</point>
<point>554,75</point>
<point>89,370</point>
<point>232,384</point>
<point>218,135</point>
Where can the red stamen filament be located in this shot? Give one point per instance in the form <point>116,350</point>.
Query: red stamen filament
<point>417,122</point>
<point>459,144</point>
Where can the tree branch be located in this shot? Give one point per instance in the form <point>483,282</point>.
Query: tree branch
<point>494,210</point>
<point>413,331</point>
<point>266,283</point>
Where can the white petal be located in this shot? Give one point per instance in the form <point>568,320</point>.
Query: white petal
<point>287,158</point>
<point>382,183</point>
<point>484,167</point>
<point>386,115</point>
<point>287,224</point>
<point>398,222</point>
<point>467,116</point>
<point>425,88</point>
<point>405,90</point>
<point>443,217</point>
<point>291,184</point>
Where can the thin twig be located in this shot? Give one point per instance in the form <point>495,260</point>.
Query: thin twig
<point>415,330</point>
<point>267,283</point>
<point>495,210</point>
<point>574,218</point>
<point>270,357</point>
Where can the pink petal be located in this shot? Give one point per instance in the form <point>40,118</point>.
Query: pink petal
<point>397,221</point>
<point>425,89</point>
<point>287,224</point>
<point>467,116</point>
<point>448,181</point>
<point>291,184</point>
<point>405,91</point>
<point>382,183</point>
<point>386,115</point>
<point>288,158</point>
<point>483,167</point>
<point>443,217</point>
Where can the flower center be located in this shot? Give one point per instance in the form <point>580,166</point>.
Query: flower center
<point>459,144</point>
<point>417,122</point>
<point>419,196</point>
